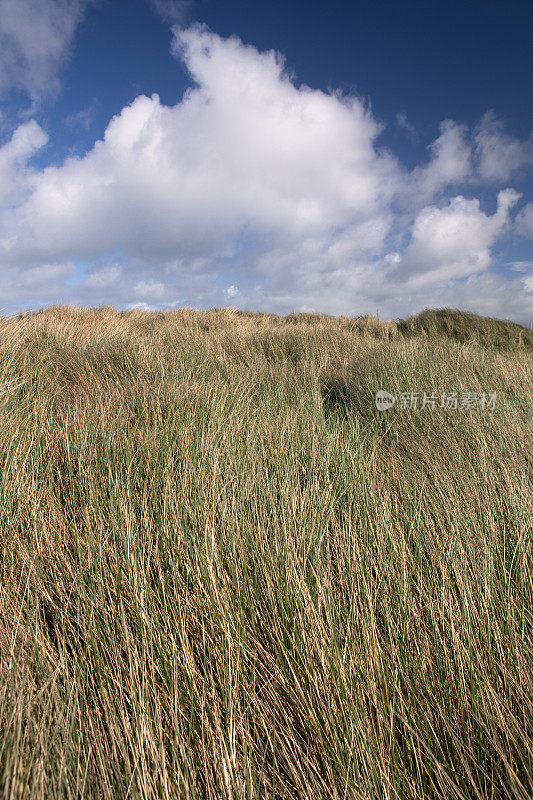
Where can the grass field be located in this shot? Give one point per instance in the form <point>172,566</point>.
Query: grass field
<point>225,574</point>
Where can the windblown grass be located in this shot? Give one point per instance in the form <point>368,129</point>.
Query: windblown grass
<point>225,575</point>
<point>463,326</point>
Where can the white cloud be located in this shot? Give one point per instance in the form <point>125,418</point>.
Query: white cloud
<point>152,290</point>
<point>245,153</point>
<point>15,174</point>
<point>35,38</point>
<point>253,185</point>
<point>500,155</point>
<point>48,282</point>
<point>46,277</point>
<point>449,164</point>
<point>102,278</point>
<point>454,241</point>
<point>141,307</point>
<point>524,221</point>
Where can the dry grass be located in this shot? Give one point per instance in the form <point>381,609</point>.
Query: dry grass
<point>225,575</point>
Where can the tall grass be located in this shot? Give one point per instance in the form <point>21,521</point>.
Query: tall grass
<point>224,574</point>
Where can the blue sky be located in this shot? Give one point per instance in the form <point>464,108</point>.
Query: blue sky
<point>346,157</point>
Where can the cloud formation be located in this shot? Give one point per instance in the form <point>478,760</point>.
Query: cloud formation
<point>35,39</point>
<point>257,191</point>
<point>500,156</point>
<point>450,164</point>
<point>454,241</point>
<point>524,221</point>
<point>14,156</point>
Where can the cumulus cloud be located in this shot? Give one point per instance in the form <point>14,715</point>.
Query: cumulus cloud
<point>245,154</point>
<point>254,189</point>
<point>35,38</point>
<point>454,241</point>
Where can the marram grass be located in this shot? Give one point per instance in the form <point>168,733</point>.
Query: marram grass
<point>224,574</point>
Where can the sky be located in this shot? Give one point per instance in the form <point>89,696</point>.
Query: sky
<point>339,157</point>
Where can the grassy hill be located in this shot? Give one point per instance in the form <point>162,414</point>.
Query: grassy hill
<point>225,574</point>
<point>466,327</point>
